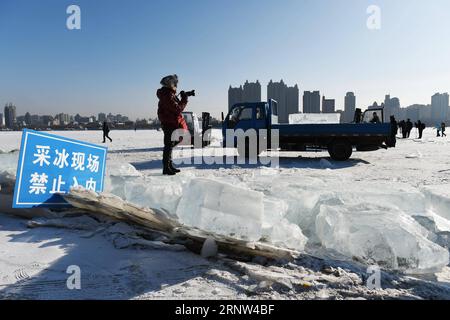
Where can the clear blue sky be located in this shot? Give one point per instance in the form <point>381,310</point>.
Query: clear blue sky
<point>114,63</point>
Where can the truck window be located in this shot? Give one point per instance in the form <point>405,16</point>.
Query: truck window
<point>373,116</point>
<point>239,114</point>
<point>234,117</point>
<point>246,114</point>
<point>260,115</point>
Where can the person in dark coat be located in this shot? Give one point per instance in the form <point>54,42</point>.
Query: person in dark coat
<point>170,110</point>
<point>358,115</point>
<point>443,127</point>
<point>106,130</point>
<point>402,125</point>
<point>409,127</point>
<point>420,126</point>
<point>394,130</point>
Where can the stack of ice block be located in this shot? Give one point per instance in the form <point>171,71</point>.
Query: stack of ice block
<point>222,208</point>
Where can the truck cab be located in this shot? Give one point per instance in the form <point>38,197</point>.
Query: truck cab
<point>338,139</point>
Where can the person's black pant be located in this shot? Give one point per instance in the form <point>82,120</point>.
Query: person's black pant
<point>106,135</point>
<point>392,141</point>
<point>168,146</point>
<point>420,134</point>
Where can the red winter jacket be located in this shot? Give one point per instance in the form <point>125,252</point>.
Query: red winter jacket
<point>170,109</point>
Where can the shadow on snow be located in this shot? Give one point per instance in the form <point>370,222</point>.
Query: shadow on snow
<point>233,162</point>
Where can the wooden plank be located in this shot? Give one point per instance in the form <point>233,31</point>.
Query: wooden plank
<point>163,222</point>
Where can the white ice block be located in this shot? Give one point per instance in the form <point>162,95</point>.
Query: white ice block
<point>222,208</point>
<point>387,238</point>
<point>314,118</point>
<point>159,192</point>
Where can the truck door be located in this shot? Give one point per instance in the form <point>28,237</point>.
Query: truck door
<point>261,117</point>
<point>241,117</point>
<point>261,126</point>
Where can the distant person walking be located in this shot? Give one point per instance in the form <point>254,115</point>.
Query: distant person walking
<point>443,128</point>
<point>106,130</point>
<point>409,127</point>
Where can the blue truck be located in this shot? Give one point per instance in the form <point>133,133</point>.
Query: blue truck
<point>339,139</point>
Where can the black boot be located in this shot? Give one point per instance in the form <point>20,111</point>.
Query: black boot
<point>173,168</point>
<point>167,154</point>
<point>168,172</point>
<point>167,168</point>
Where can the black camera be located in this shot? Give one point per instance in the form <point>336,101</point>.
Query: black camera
<point>188,93</point>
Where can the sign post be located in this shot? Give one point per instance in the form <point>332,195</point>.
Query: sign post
<point>49,165</point>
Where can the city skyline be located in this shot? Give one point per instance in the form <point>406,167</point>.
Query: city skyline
<point>122,51</point>
<point>255,95</point>
<point>287,98</point>
<point>437,111</point>
<point>12,120</point>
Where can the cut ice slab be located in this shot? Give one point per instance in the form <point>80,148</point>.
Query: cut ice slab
<point>8,163</point>
<point>222,208</point>
<point>151,192</point>
<point>312,118</point>
<point>277,230</point>
<point>124,181</point>
<point>438,199</point>
<point>388,238</point>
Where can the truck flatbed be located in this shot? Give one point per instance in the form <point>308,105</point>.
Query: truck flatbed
<point>338,139</point>
<point>333,130</point>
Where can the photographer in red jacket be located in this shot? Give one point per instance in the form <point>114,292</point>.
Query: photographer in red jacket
<point>169,113</point>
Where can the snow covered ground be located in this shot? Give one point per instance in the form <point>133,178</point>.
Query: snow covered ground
<point>390,208</point>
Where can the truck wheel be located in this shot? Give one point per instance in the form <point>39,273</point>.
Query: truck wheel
<point>340,150</point>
